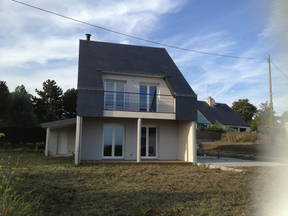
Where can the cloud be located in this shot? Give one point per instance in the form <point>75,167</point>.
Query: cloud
<point>276,35</point>
<point>224,79</point>
<point>227,79</point>
<point>66,77</point>
<point>277,25</point>
<point>36,46</point>
<point>39,50</point>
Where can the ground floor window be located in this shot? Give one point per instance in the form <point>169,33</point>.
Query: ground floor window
<point>148,142</point>
<point>113,141</point>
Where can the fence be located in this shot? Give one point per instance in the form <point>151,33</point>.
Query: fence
<point>132,101</point>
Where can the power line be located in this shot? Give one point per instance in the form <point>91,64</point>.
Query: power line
<point>278,68</point>
<point>135,37</point>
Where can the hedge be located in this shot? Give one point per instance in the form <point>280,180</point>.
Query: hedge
<point>22,135</point>
<point>209,135</point>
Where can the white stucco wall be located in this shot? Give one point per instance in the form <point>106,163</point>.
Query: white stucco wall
<point>167,138</point>
<point>52,143</point>
<point>183,131</point>
<point>92,137</point>
<point>59,135</point>
<point>92,140</point>
<point>132,83</point>
<point>187,141</point>
<point>174,140</point>
<point>142,115</point>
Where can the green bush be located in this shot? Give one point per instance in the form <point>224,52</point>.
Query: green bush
<point>11,201</point>
<point>214,127</point>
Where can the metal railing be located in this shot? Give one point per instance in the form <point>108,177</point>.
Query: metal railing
<point>132,101</point>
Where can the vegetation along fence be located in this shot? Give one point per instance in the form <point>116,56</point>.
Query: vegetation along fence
<point>20,135</point>
<point>208,135</point>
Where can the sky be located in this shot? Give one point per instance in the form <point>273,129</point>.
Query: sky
<point>35,46</point>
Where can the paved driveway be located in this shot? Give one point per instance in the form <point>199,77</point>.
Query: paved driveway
<point>236,163</point>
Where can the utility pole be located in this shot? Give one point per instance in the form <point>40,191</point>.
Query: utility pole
<point>270,85</point>
<point>271,118</point>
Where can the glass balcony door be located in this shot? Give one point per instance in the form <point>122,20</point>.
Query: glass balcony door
<point>149,142</point>
<point>148,98</point>
<point>114,95</point>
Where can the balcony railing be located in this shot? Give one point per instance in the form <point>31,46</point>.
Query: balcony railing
<point>131,101</point>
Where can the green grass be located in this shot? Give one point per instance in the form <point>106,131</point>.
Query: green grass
<point>129,189</point>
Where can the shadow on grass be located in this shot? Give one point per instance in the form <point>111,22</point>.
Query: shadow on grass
<point>66,196</point>
<point>68,201</point>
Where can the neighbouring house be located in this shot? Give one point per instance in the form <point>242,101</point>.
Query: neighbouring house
<point>210,113</point>
<point>133,104</point>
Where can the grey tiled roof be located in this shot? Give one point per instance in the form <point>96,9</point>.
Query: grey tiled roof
<point>98,57</point>
<point>128,59</point>
<point>220,112</point>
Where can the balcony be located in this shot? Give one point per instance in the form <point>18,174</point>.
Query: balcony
<point>138,102</point>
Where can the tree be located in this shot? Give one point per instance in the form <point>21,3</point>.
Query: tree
<point>245,109</point>
<point>49,105</point>
<point>21,111</point>
<point>264,118</point>
<point>284,118</point>
<point>69,103</point>
<point>4,99</point>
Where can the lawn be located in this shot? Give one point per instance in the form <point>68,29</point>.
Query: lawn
<point>128,189</point>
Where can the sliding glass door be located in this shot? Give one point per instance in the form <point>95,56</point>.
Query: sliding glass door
<point>148,142</point>
<point>113,141</point>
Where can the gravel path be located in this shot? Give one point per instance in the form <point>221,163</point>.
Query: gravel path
<point>237,163</point>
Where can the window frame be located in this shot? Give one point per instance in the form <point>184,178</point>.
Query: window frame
<point>148,96</point>
<point>147,142</point>
<point>114,93</point>
<point>113,141</point>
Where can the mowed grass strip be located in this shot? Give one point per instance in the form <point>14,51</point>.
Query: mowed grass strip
<point>130,189</point>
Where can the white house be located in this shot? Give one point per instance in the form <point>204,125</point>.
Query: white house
<point>133,104</point>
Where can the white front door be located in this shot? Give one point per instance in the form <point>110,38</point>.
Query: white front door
<point>113,141</point>
<point>149,142</point>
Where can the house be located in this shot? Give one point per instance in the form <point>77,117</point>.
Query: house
<point>209,113</point>
<point>133,104</point>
